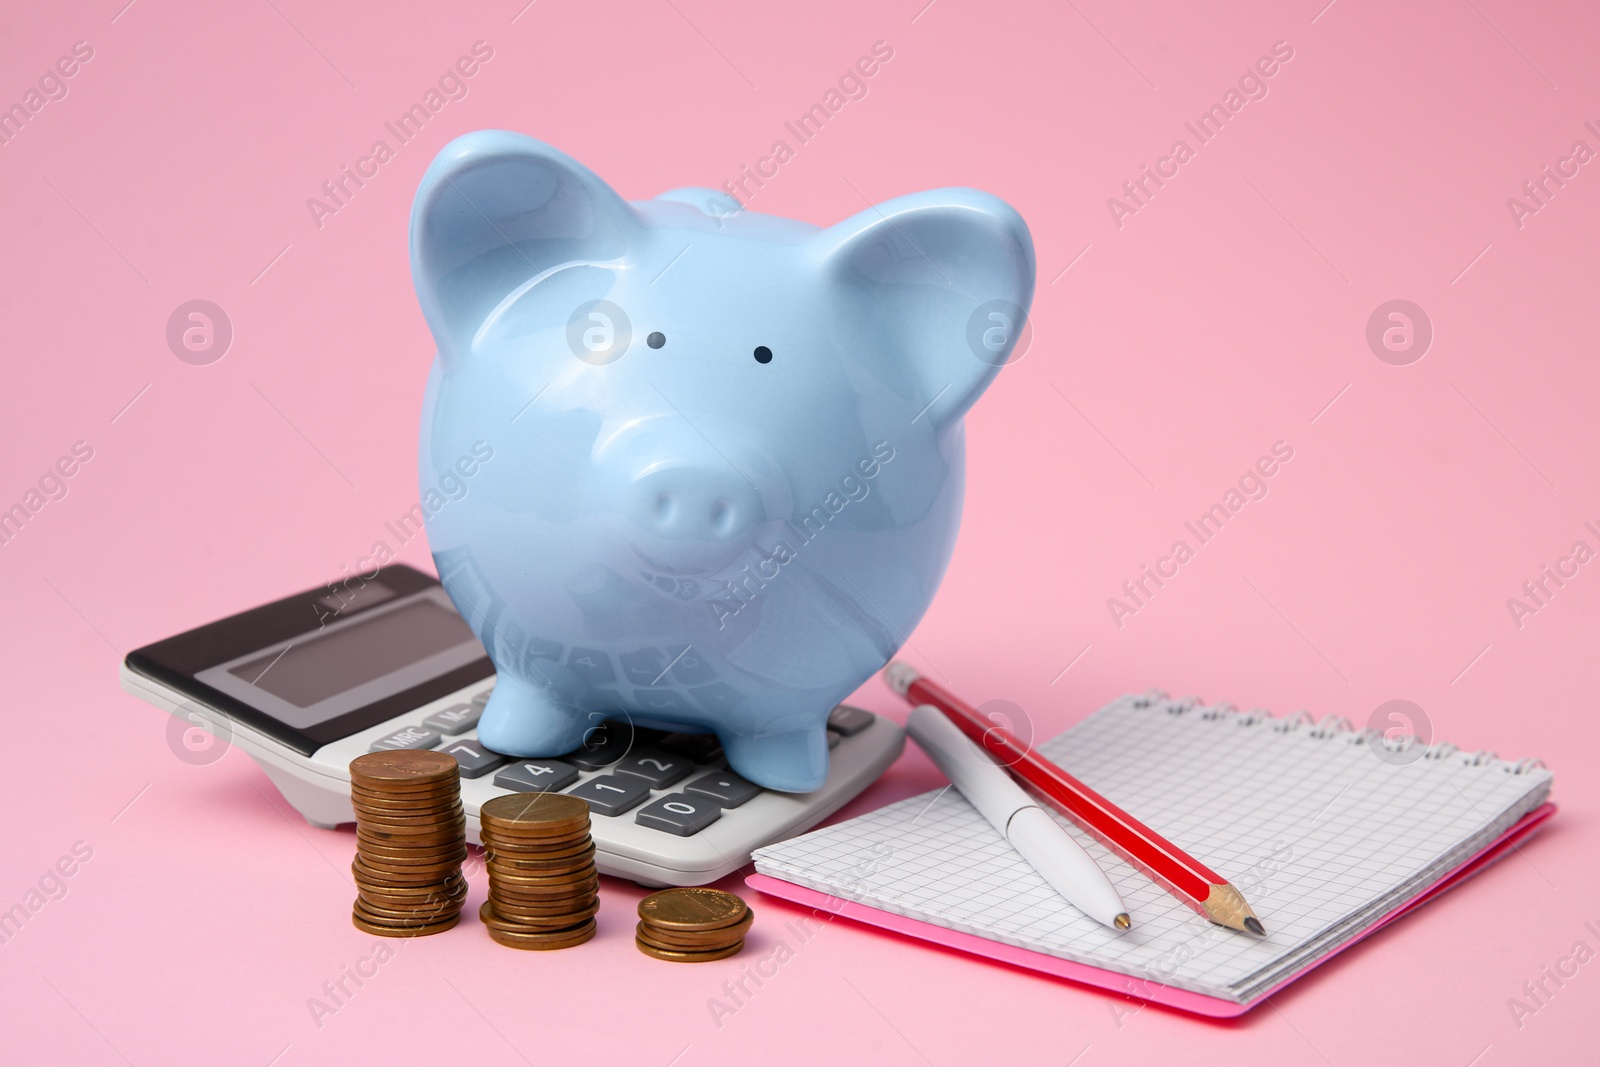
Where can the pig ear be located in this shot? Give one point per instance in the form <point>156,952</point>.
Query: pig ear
<point>495,211</point>
<point>916,283</point>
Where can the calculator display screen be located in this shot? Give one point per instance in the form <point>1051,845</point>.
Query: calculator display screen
<point>320,665</point>
<point>310,671</point>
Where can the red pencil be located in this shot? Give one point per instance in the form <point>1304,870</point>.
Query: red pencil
<point>1181,874</point>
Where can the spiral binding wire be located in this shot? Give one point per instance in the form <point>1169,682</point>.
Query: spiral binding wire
<point>1328,727</point>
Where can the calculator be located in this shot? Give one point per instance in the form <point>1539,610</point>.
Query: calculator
<point>306,684</point>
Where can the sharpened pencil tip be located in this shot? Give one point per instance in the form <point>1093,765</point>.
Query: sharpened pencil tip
<point>1253,924</point>
<point>1123,922</point>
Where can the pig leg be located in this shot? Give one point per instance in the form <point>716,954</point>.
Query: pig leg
<point>522,720</point>
<point>795,761</point>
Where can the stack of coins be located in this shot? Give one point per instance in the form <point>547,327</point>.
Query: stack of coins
<point>692,925</point>
<point>410,841</point>
<point>543,886</point>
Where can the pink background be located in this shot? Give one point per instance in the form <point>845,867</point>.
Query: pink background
<point>1168,354</point>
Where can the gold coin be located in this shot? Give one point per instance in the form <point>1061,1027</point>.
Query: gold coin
<point>389,930</point>
<point>674,956</point>
<point>544,940</point>
<point>516,908</point>
<point>535,814</point>
<point>691,908</point>
<point>695,939</point>
<point>435,792</point>
<point>377,900</point>
<point>403,768</point>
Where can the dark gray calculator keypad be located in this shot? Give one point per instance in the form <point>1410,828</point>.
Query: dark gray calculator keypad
<point>456,719</point>
<point>726,788</point>
<point>656,766</point>
<point>407,737</point>
<point>702,748</point>
<point>680,813</point>
<point>475,760</point>
<point>612,794</point>
<point>537,776</point>
<point>849,721</point>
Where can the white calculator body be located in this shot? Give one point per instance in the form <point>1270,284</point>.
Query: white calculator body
<point>306,684</point>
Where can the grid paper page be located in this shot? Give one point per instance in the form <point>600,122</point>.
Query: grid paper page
<point>1321,836</point>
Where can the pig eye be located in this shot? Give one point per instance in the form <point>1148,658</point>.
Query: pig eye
<point>763,354</point>
<point>656,340</point>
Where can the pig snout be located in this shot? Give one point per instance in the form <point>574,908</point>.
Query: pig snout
<point>693,504</point>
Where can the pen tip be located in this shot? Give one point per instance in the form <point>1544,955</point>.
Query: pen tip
<point>1253,924</point>
<point>1122,921</point>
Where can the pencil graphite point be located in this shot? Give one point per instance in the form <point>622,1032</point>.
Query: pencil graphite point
<point>1253,924</point>
<point>1123,922</point>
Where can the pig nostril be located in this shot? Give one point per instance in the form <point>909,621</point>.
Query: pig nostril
<point>721,516</point>
<point>664,507</point>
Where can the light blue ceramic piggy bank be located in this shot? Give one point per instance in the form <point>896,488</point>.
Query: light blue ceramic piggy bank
<point>726,455</point>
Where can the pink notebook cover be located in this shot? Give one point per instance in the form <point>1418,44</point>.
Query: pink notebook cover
<point>1122,984</point>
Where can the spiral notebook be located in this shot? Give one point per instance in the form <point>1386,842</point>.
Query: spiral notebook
<point>1330,833</point>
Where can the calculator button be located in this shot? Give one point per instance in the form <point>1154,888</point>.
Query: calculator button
<point>482,698</point>
<point>659,768</point>
<point>476,761</point>
<point>702,748</point>
<point>663,700</point>
<point>725,787</point>
<point>409,737</point>
<point>692,668</point>
<point>537,776</point>
<point>591,664</point>
<point>602,746</point>
<point>718,696</point>
<point>644,666</point>
<point>848,720</point>
<point>612,794</point>
<point>834,737</point>
<point>680,813</point>
<point>456,719</point>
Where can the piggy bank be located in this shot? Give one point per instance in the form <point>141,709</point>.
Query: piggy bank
<point>690,466</point>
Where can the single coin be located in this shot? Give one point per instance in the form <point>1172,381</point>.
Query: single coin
<point>574,846</point>
<point>413,906</point>
<point>538,911</point>
<point>688,957</point>
<point>377,912</point>
<point>691,908</point>
<point>536,879</point>
<point>380,879</point>
<point>412,842</point>
<point>543,813</point>
<point>538,866</point>
<point>448,852</point>
<point>667,946</point>
<point>412,816</point>
<point>696,939</point>
<point>403,768</point>
<point>445,788</point>
<point>489,914</point>
<point>546,897</point>
<point>399,870</point>
<point>404,803</point>
<point>553,939</point>
<point>446,888</point>
<point>385,930</point>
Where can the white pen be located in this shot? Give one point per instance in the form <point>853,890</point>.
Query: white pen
<point>1059,859</point>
